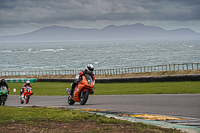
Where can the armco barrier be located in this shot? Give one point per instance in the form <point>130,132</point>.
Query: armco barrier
<point>20,80</point>
<point>195,77</point>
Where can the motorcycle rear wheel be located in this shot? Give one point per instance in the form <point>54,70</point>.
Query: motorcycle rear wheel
<point>84,97</point>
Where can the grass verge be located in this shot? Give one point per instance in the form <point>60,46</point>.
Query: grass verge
<point>58,88</point>
<point>13,119</point>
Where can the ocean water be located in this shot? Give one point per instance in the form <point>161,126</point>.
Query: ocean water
<point>32,56</point>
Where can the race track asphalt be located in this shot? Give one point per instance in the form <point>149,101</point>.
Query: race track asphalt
<point>183,105</point>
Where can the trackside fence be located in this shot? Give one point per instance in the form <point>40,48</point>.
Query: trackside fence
<point>158,68</point>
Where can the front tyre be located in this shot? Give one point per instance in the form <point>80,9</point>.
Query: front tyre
<point>21,101</point>
<point>3,99</point>
<point>70,101</point>
<point>0,101</point>
<point>84,97</point>
<point>27,98</point>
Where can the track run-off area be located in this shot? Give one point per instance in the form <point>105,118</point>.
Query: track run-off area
<point>172,110</point>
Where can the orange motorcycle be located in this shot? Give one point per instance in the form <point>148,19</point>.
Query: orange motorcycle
<point>26,95</point>
<point>81,91</point>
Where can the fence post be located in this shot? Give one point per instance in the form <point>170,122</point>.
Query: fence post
<point>174,67</point>
<point>192,66</point>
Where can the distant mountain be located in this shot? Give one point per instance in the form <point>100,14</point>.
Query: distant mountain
<point>112,32</point>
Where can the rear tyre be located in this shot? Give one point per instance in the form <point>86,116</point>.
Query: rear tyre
<point>84,97</point>
<point>70,101</point>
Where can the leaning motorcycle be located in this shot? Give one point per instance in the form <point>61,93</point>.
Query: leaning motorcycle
<point>25,97</point>
<point>81,91</point>
<point>3,95</point>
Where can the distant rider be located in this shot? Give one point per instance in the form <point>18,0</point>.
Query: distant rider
<point>27,84</point>
<point>88,70</point>
<point>3,83</point>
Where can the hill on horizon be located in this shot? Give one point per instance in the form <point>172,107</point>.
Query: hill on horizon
<point>125,32</point>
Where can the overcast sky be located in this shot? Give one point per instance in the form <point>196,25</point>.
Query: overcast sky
<point>22,16</point>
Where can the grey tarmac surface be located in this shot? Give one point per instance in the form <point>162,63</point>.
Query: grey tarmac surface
<point>182,105</point>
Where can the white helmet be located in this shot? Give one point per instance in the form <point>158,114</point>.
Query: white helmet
<point>27,82</point>
<point>90,68</point>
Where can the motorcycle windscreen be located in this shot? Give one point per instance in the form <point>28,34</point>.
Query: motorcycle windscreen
<point>28,89</point>
<point>3,88</point>
<point>90,81</point>
<point>88,78</point>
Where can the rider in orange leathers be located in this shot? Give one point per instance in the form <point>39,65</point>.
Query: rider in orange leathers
<point>25,85</point>
<point>88,70</point>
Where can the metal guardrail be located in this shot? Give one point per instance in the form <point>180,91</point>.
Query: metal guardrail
<point>158,68</point>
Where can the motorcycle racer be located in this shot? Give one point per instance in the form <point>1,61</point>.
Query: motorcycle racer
<point>25,85</point>
<point>88,70</point>
<point>3,83</point>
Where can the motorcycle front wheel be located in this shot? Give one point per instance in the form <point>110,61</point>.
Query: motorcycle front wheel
<point>21,100</point>
<point>3,98</point>
<point>0,101</point>
<point>84,97</point>
<point>27,98</point>
<point>70,101</point>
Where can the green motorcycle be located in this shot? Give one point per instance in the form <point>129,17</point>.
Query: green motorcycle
<point>3,95</point>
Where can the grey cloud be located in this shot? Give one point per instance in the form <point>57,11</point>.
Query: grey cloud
<point>53,11</point>
<point>29,10</point>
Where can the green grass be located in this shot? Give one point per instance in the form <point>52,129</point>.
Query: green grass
<point>20,114</point>
<point>148,88</point>
<point>48,114</point>
<point>44,118</point>
<point>42,88</point>
<point>59,88</point>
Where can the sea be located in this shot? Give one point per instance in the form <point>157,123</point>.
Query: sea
<point>40,56</point>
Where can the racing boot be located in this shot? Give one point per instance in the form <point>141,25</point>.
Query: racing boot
<point>68,92</point>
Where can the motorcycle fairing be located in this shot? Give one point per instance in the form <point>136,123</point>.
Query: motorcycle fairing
<point>86,84</point>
